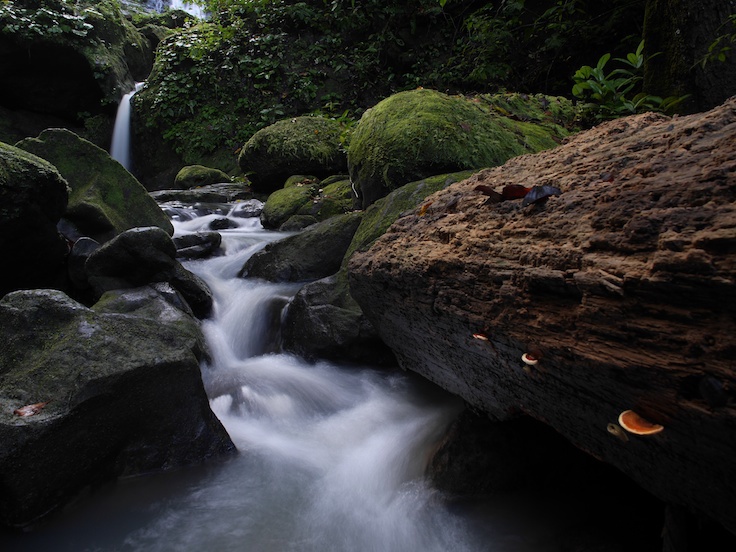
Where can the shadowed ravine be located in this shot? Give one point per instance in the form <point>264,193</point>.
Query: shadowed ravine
<point>331,458</point>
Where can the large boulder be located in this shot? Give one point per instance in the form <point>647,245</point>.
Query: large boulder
<point>620,289</point>
<point>301,145</point>
<point>33,196</point>
<point>419,133</point>
<point>133,405</point>
<point>315,253</point>
<point>143,256</point>
<point>105,199</point>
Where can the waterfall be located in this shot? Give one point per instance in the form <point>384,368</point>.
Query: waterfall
<point>120,147</point>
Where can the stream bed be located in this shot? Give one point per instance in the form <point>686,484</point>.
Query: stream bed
<point>330,457</point>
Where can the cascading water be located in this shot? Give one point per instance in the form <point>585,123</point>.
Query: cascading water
<point>120,147</point>
<point>330,457</point>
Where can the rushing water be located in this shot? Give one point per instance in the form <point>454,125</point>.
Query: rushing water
<point>120,146</point>
<point>331,458</point>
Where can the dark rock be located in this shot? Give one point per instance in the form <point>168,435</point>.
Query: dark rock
<point>222,224</point>
<point>81,251</point>
<point>315,253</point>
<point>624,313</point>
<point>105,199</point>
<point>322,322</point>
<point>135,405</point>
<point>197,245</point>
<point>214,193</point>
<point>33,196</point>
<point>195,291</point>
<point>134,258</point>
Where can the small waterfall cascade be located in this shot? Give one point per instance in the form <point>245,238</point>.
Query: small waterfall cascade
<point>120,147</point>
<point>331,458</point>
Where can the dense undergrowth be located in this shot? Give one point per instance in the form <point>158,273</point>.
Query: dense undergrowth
<point>255,62</point>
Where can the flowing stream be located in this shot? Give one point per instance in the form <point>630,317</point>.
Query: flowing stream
<point>330,458</point>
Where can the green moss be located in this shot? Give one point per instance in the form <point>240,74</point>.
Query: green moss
<point>283,203</point>
<point>298,145</point>
<point>304,197</point>
<point>105,199</point>
<point>418,133</point>
<point>382,214</point>
<point>192,176</point>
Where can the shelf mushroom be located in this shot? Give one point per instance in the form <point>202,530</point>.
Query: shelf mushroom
<point>633,423</point>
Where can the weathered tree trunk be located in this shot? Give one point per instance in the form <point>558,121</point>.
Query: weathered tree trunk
<point>682,30</point>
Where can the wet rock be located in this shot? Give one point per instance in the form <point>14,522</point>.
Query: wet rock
<point>322,321</point>
<point>33,196</point>
<point>134,258</point>
<point>247,209</point>
<point>222,223</point>
<point>623,285</point>
<point>214,193</point>
<point>197,245</point>
<point>315,253</point>
<point>195,291</point>
<point>135,405</point>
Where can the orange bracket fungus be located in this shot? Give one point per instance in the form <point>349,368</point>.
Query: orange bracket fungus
<point>529,359</point>
<point>633,423</point>
<point>482,337</point>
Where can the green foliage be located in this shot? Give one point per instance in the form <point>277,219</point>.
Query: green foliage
<point>720,48</point>
<point>609,95</point>
<point>53,21</point>
<point>258,61</point>
<point>218,82</point>
<point>520,45</point>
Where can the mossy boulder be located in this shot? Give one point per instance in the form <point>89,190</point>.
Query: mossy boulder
<point>313,254</point>
<point>306,145</point>
<point>105,199</point>
<point>323,320</point>
<point>33,196</point>
<point>305,199</point>
<point>419,133</point>
<point>123,393</point>
<point>194,176</point>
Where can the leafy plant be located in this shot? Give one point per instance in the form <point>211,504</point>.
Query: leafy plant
<point>609,95</point>
<point>721,47</point>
